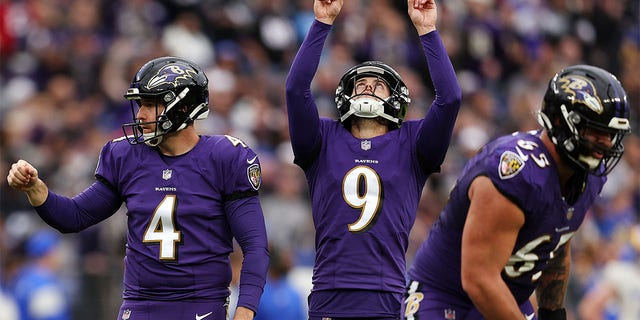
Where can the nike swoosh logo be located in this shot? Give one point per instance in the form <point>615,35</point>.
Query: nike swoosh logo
<point>530,316</point>
<point>252,160</point>
<point>203,316</point>
<point>562,229</point>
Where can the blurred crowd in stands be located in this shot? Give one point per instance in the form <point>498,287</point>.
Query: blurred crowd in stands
<point>65,65</point>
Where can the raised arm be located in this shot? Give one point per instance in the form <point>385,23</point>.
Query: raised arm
<point>304,122</point>
<point>442,114</point>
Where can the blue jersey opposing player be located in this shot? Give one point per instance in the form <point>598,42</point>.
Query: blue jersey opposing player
<point>366,170</point>
<point>187,197</point>
<point>507,227</point>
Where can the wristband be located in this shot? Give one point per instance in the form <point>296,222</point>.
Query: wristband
<point>547,314</point>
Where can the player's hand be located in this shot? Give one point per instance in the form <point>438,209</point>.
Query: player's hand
<point>326,11</point>
<point>22,176</point>
<point>243,313</point>
<point>423,14</point>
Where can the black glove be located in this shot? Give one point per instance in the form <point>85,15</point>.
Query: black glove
<point>546,314</point>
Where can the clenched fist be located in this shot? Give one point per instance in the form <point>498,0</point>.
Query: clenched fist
<point>24,177</point>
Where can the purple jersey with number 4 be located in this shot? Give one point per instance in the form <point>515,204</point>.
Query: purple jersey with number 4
<point>179,236</point>
<point>522,170</point>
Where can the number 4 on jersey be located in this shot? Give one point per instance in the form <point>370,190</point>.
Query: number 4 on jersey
<point>162,228</point>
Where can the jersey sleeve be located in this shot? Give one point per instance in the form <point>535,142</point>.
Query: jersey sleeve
<point>302,111</point>
<point>437,128</point>
<point>514,175</point>
<point>94,204</point>
<point>106,170</point>
<point>243,179</point>
<point>247,224</point>
<point>240,168</point>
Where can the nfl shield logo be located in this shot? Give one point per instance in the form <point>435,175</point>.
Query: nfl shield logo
<point>126,314</point>
<point>570,213</point>
<point>365,145</point>
<point>166,174</point>
<point>449,314</point>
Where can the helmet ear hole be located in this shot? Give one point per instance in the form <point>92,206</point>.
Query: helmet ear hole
<point>164,122</point>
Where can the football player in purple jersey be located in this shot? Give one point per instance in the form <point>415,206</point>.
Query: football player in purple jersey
<point>367,169</point>
<point>506,230</point>
<point>187,196</point>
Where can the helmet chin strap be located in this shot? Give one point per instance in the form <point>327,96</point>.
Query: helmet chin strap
<point>151,140</point>
<point>163,126</point>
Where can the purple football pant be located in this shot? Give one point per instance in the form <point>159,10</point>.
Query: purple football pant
<point>173,310</point>
<point>423,304</point>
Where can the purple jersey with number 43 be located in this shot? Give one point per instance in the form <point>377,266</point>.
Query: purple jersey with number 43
<point>179,236</point>
<point>522,169</point>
